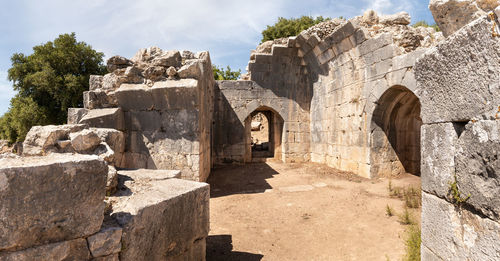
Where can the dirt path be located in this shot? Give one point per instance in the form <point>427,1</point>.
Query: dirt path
<point>276,211</point>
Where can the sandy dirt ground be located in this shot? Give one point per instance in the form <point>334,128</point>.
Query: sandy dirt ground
<point>277,211</point>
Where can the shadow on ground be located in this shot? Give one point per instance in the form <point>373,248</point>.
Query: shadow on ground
<point>240,179</point>
<point>220,248</point>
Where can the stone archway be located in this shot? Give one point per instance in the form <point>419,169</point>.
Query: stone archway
<point>395,138</point>
<point>272,147</point>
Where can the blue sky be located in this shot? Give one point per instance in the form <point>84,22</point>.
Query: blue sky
<point>229,29</point>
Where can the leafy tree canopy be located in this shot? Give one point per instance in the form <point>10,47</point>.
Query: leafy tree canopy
<point>425,24</point>
<point>290,27</point>
<point>227,74</point>
<point>49,81</point>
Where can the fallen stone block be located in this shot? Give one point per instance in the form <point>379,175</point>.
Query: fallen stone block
<point>105,242</point>
<point>67,250</point>
<point>50,199</point>
<point>104,118</point>
<point>84,140</point>
<point>42,139</point>
<point>146,209</point>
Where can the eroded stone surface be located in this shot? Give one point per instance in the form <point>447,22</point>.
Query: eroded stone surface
<point>42,139</point>
<point>105,242</point>
<point>67,250</point>
<point>43,198</point>
<point>180,202</point>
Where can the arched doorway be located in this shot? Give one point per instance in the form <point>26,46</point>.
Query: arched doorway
<point>395,139</point>
<point>263,132</point>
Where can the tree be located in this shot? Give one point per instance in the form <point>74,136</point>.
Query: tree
<point>50,80</point>
<point>221,74</point>
<point>290,27</point>
<point>425,24</point>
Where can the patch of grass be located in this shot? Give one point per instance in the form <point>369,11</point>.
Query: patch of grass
<point>389,211</point>
<point>412,197</point>
<point>455,194</point>
<point>406,218</point>
<point>413,240</point>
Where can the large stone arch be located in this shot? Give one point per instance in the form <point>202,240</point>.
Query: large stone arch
<point>395,134</point>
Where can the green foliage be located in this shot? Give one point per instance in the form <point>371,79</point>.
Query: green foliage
<point>456,195</point>
<point>413,240</point>
<point>290,27</point>
<point>23,113</point>
<point>406,218</point>
<point>389,211</point>
<point>425,24</point>
<point>227,74</point>
<point>52,79</point>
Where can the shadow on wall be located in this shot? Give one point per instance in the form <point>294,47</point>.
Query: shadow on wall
<point>395,147</point>
<point>220,247</point>
<point>240,179</point>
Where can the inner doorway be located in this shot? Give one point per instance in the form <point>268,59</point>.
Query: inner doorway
<point>263,129</point>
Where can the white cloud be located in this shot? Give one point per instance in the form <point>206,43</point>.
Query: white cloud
<point>389,6</point>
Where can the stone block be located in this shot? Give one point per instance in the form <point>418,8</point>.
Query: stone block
<point>407,60</point>
<point>142,120</point>
<point>146,210</point>
<point>175,94</point>
<point>281,50</point>
<point>452,233</point>
<point>326,56</point>
<point>438,143</point>
<point>67,250</point>
<point>447,87</point>
<point>95,82</point>
<point>113,257</point>
<point>263,58</point>
<point>478,166</point>
<point>258,67</point>
<point>148,174</point>
<point>181,123</point>
<point>134,97</point>
<point>76,114</point>
<point>313,40</point>
<point>98,99</point>
<point>105,242</point>
<point>114,138</point>
<point>50,199</point>
<point>42,139</point>
<point>192,69</point>
<point>104,118</point>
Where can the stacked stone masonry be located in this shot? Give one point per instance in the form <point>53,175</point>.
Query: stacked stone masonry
<point>372,95</point>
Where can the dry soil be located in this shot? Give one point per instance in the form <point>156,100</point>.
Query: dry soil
<point>277,211</point>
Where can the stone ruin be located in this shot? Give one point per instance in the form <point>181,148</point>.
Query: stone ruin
<point>372,95</point>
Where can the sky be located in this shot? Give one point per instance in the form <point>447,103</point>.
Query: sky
<point>228,29</point>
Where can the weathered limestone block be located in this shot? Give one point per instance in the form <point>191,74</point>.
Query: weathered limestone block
<point>49,199</point>
<point>175,94</point>
<point>478,166</point>
<point>76,114</point>
<point>167,59</point>
<point>104,118</point>
<point>447,87</point>
<point>438,143</point>
<point>42,139</point>
<point>149,174</point>
<point>146,209</point>
<point>155,73</point>
<point>84,140</point>
<point>114,138</point>
<point>117,62</point>
<point>105,242</point>
<point>143,120</point>
<point>98,99</point>
<point>111,181</point>
<point>192,69</point>
<point>67,250</point>
<point>451,15</point>
<point>95,82</point>
<point>113,257</point>
<point>402,18</point>
<point>457,234</point>
<point>135,97</point>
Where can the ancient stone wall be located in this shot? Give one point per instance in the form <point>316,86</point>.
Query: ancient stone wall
<point>163,102</point>
<point>458,84</point>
